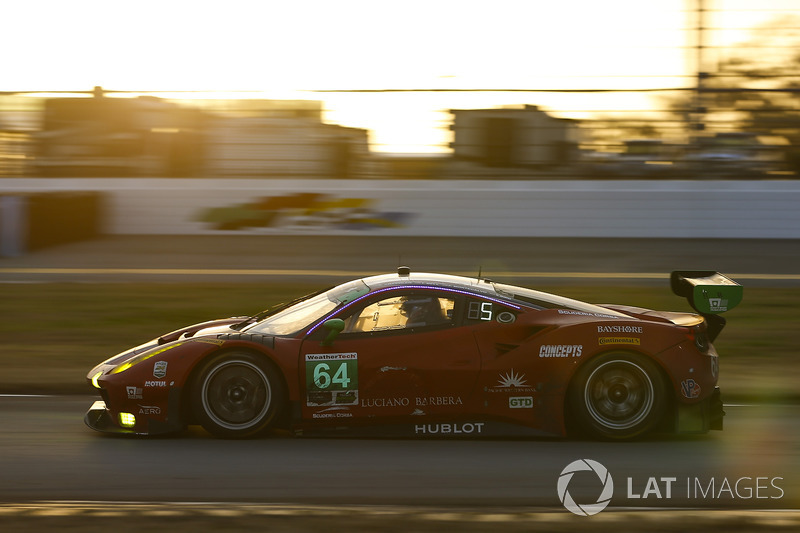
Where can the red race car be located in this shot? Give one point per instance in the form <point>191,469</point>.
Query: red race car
<point>430,355</point>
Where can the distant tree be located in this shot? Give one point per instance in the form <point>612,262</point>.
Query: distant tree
<point>754,88</point>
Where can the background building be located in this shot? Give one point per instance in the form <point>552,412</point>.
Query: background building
<point>147,136</point>
<point>514,137</point>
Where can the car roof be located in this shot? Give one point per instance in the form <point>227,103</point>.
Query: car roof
<point>482,286</point>
<point>425,279</point>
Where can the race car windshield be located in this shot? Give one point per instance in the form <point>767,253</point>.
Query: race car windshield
<point>551,301</point>
<point>304,312</point>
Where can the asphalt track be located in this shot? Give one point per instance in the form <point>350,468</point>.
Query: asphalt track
<point>48,454</point>
<point>54,472</point>
<point>529,261</point>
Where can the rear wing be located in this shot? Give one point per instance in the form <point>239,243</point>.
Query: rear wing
<point>709,293</point>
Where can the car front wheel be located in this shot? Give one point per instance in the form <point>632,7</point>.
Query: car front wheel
<point>237,395</point>
<point>618,396</point>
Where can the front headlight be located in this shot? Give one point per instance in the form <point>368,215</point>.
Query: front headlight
<point>127,420</point>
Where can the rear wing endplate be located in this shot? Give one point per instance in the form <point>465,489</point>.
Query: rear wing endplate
<point>708,292</point>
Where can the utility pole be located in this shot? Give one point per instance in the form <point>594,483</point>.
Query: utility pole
<point>698,109</point>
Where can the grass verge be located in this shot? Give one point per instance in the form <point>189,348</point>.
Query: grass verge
<point>54,333</point>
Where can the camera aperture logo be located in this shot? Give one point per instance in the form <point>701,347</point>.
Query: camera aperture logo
<point>659,488</point>
<point>586,509</point>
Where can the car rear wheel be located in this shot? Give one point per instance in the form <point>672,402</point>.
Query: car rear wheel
<point>618,396</point>
<point>237,395</point>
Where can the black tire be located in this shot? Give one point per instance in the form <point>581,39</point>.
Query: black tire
<point>237,395</point>
<point>617,396</point>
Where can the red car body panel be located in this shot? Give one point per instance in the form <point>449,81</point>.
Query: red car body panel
<point>495,365</point>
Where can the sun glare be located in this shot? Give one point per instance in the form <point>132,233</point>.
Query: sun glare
<point>292,49</point>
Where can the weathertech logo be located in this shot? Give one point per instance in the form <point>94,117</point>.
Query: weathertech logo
<point>585,509</point>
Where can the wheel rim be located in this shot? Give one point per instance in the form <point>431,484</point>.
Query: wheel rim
<point>619,394</point>
<point>236,394</point>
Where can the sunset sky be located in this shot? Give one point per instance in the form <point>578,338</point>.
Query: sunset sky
<point>286,49</point>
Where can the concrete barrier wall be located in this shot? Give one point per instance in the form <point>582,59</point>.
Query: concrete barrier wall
<point>574,208</point>
<point>37,219</point>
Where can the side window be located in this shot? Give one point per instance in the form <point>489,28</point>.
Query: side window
<point>479,311</point>
<point>401,312</point>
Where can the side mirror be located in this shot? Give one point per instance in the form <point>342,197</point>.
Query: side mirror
<point>334,327</point>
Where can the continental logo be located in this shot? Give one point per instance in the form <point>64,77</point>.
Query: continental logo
<point>633,341</point>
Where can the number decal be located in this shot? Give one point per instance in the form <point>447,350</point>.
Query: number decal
<point>332,379</point>
<point>479,311</point>
<point>341,376</point>
<point>322,379</point>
